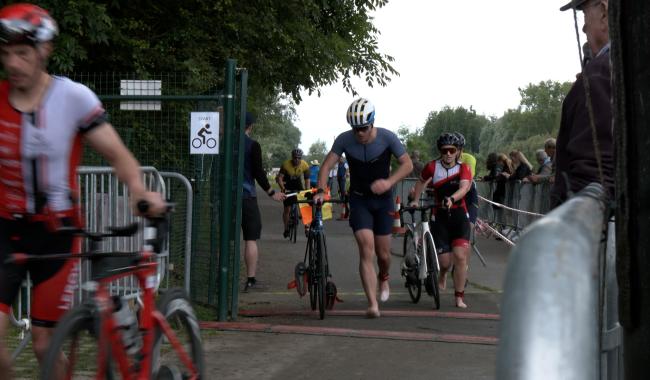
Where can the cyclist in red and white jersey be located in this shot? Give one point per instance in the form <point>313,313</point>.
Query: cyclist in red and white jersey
<point>450,180</point>
<point>43,121</point>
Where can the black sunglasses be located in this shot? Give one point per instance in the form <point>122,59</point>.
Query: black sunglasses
<point>448,151</point>
<point>361,129</point>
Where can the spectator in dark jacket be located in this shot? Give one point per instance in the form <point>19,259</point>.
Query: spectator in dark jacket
<point>251,221</point>
<point>522,168</point>
<point>578,161</point>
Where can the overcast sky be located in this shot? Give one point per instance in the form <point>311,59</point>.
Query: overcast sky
<point>453,52</point>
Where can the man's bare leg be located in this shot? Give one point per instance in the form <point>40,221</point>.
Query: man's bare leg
<point>250,257</point>
<point>382,247</point>
<point>366,243</point>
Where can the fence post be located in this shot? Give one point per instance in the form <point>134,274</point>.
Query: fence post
<point>243,96</point>
<point>225,190</point>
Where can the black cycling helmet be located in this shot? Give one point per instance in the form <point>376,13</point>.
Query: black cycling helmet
<point>26,23</point>
<point>461,139</point>
<point>296,153</point>
<point>448,139</point>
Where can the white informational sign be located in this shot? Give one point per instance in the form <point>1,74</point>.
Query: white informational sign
<point>140,87</point>
<point>204,133</point>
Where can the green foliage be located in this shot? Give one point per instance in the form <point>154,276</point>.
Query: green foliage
<point>523,128</point>
<point>459,119</point>
<point>287,45</point>
<point>274,128</point>
<point>317,151</point>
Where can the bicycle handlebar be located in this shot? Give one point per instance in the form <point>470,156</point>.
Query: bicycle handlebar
<point>311,201</point>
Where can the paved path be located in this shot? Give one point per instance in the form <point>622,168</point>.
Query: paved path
<point>277,336</point>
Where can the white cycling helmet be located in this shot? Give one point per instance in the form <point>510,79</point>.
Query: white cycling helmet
<point>361,113</point>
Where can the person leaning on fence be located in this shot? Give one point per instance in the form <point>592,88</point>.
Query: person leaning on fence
<point>545,169</point>
<point>522,168</point>
<point>251,221</point>
<point>578,161</point>
<point>43,121</point>
<point>369,151</point>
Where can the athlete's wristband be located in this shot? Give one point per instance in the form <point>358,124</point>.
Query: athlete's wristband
<point>272,193</point>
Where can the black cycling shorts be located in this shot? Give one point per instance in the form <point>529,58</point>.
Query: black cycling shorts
<point>251,220</point>
<point>450,229</point>
<point>54,282</point>
<point>374,213</point>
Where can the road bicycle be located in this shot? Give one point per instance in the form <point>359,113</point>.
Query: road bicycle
<point>103,336</point>
<point>313,273</point>
<point>420,263</point>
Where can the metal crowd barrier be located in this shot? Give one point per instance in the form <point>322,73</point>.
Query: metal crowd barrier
<point>518,195</point>
<point>558,317</point>
<point>105,202</point>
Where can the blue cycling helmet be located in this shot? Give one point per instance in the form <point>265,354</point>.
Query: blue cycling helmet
<point>360,113</point>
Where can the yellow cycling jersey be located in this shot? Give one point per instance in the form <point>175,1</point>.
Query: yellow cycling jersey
<point>468,159</point>
<point>293,174</point>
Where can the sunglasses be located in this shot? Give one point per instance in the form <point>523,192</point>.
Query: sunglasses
<point>361,129</point>
<point>444,151</point>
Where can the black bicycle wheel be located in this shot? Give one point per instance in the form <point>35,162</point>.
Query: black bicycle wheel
<point>76,337</point>
<point>432,270</point>
<point>321,260</point>
<point>179,314</point>
<point>413,283</point>
<point>311,281</point>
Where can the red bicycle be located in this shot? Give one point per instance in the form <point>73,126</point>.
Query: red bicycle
<point>105,335</point>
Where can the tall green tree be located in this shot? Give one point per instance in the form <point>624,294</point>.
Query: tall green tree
<point>317,151</point>
<point>287,45</point>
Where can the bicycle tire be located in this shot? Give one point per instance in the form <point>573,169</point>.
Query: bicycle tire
<point>414,286</point>
<point>311,281</point>
<point>179,314</point>
<point>294,218</point>
<point>321,259</point>
<point>76,336</point>
<point>432,269</point>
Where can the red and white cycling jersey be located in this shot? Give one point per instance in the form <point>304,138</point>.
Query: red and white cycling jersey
<point>40,151</point>
<point>446,181</point>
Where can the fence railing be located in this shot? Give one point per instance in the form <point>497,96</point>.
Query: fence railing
<point>558,316</point>
<point>533,198</point>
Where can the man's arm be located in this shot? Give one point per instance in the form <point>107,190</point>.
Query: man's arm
<point>105,140</point>
<point>381,186</point>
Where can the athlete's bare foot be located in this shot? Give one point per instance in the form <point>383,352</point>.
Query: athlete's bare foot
<point>460,300</point>
<point>442,281</point>
<point>384,288</point>
<point>384,291</point>
<point>372,312</point>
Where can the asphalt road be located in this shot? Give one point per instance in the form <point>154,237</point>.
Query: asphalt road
<point>277,336</point>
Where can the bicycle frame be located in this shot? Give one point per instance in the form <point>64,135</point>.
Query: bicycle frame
<point>420,230</point>
<point>149,319</point>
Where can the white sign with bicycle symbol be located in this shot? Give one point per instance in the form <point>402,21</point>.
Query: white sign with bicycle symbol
<point>204,133</point>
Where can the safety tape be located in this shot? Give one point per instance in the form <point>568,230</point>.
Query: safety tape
<point>509,208</point>
<point>494,231</point>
